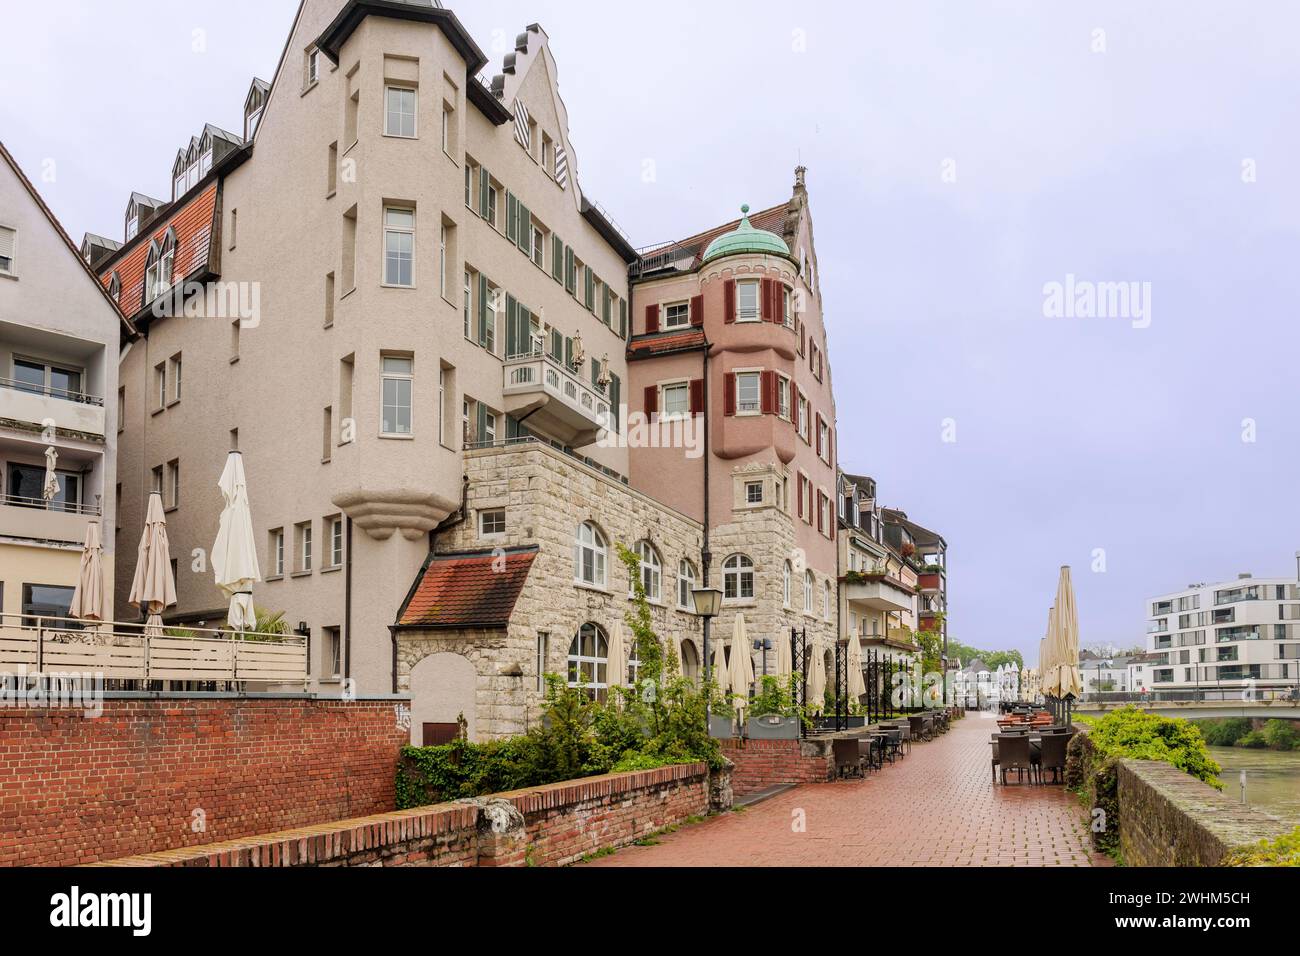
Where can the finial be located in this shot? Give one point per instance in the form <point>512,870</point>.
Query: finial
<point>745,209</point>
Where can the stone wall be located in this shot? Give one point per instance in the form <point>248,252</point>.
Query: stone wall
<point>1168,818</point>
<point>155,774</point>
<point>760,764</point>
<point>543,826</point>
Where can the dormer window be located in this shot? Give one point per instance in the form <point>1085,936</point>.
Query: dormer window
<point>132,222</point>
<point>115,288</point>
<point>159,266</point>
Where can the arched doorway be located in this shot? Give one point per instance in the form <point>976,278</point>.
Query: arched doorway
<point>443,687</point>
<point>690,661</point>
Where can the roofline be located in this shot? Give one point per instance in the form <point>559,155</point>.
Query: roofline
<point>451,556</point>
<point>127,324</point>
<point>607,231</point>
<point>699,236</point>
<point>352,15</point>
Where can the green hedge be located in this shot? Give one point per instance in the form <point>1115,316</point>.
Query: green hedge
<point>1284,851</point>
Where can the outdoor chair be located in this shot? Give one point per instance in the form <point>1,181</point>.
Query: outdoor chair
<point>917,724</point>
<point>1013,754</point>
<point>848,758</point>
<point>870,749</point>
<point>905,738</point>
<point>893,743</point>
<point>1052,756</point>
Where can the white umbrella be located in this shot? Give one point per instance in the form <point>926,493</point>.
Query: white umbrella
<point>50,490</point>
<point>857,684</point>
<point>88,599</point>
<point>1066,656</point>
<point>234,554</point>
<point>720,675</point>
<point>784,658</point>
<point>817,683</point>
<point>1049,650</point>
<point>741,665</point>
<point>153,590</point>
<point>616,666</point>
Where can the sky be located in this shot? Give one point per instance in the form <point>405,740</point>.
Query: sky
<point>962,156</point>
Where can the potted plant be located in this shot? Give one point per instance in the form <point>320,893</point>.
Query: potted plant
<point>772,713</point>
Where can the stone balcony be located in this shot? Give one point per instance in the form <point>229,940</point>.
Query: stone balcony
<point>542,394</point>
<point>68,412</point>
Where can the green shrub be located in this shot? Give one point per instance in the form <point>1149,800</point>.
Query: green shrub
<point>1281,735</point>
<point>1224,733</point>
<point>1284,851</point>
<point>1255,740</point>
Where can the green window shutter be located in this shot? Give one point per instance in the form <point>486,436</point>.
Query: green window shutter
<point>615,398</point>
<point>570,270</point>
<point>525,227</point>
<point>512,215</point>
<point>482,422</point>
<point>622,318</point>
<point>595,372</point>
<point>607,308</point>
<point>591,289</point>
<point>484,181</point>
<point>557,258</point>
<point>512,328</point>
<point>557,345</point>
<point>568,352</point>
<point>482,310</point>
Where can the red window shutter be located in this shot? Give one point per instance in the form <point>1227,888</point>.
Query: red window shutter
<point>803,338</point>
<point>697,396</point>
<point>652,318</point>
<point>697,311</point>
<point>729,394</point>
<point>729,301</point>
<point>767,300</point>
<point>651,399</point>
<point>820,511</point>
<point>769,393</point>
<point>799,494</point>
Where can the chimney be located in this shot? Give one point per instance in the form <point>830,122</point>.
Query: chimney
<point>1245,577</point>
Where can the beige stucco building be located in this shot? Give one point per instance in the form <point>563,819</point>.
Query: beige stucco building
<point>59,341</point>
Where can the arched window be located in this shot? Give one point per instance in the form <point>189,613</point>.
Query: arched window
<point>690,661</point>
<point>826,601</point>
<point>738,577</point>
<point>808,592</point>
<point>588,660</point>
<point>685,585</point>
<point>589,556</point>
<point>786,573</point>
<point>651,571</point>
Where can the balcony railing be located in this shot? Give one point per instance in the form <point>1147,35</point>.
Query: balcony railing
<point>62,507</point>
<point>55,646</point>
<point>80,398</point>
<point>540,370</point>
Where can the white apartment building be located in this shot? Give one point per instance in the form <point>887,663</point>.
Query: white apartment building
<point>1233,636</point>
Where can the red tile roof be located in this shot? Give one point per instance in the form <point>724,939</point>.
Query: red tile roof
<point>772,220</point>
<point>468,590</point>
<point>659,344</point>
<point>193,223</point>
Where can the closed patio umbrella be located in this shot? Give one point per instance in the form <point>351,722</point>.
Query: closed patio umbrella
<point>616,668</point>
<point>857,685</point>
<point>50,490</point>
<point>719,671</point>
<point>817,682</point>
<point>234,555</point>
<point>784,657</point>
<point>1066,657</point>
<point>1049,649</point>
<point>741,664</point>
<point>88,602</point>
<point>153,589</point>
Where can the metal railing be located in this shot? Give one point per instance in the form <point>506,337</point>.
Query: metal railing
<point>1204,695</point>
<point>541,370</point>
<point>36,645</point>
<point>63,507</point>
<point>49,391</point>
<point>653,258</point>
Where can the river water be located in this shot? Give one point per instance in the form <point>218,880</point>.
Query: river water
<point>1272,779</point>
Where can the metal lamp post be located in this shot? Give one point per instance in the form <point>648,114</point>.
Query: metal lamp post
<point>708,605</point>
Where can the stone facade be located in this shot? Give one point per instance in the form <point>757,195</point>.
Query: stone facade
<point>546,495</point>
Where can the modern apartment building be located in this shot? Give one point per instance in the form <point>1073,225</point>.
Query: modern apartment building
<point>60,337</point>
<point>728,335</point>
<point>398,303</point>
<point>1237,636</point>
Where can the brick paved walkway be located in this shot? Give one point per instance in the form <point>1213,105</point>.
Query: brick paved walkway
<point>937,807</point>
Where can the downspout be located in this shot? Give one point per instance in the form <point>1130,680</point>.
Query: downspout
<point>347,607</point>
<point>706,556</point>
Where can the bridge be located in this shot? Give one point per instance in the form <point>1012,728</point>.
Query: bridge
<point>1195,705</point>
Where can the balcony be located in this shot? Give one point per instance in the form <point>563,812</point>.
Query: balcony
<point>930,581</point>
<point>877,592</point>
<point>30,518</point>
<point>58,646</point>
<point>541,394</point>
<point>38,405</point>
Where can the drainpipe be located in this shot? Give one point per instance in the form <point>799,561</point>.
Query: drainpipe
<point>347,606</point>
<point>706,556</point>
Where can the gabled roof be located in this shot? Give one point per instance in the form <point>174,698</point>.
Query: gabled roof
<point>922,535</point>
<point>646,346</point>
<point>467,590</point>
<point>127,326</point>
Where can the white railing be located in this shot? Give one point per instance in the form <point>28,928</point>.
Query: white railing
<point>35,645</point>
<point>541,371</point>
<point>50,391</point>
<point>40,504</point>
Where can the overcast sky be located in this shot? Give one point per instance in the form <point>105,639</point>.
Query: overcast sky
<point>961,156</point>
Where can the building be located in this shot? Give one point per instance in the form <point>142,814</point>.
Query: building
<point>1234,637</point>
<point>927,552</point>
<point>60,336</point>
<point>1105,675</point>
<point>441,512</point>
<point>975,686</point>
<point>727,331</point>
<point>877,586</point>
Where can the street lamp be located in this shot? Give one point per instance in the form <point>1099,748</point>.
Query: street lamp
<point>708,605</point>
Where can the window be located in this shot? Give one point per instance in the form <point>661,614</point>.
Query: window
<point>748,392</point>
<point>807,592</point>
<point>753,492</point>
<point>677,315</point>
<point>156,482</point>
<point>160,379</point>
<point>783,397</point>
<point>685,585</point>
<point>539,248</point>
<point>333,653</point>
<point>492,522</point>
<point>651,571</point>
<point>158,268</point>
<point>747,307</point>
<point>277,552</point>
<point>398,375</point>
<point>335,526</point>
<point>803,418</point>
<point>543,652</point>
<point>787,308</point>
<point>442,260</point>
<point>399,111</point>
<point>823,439</point>
<point>738,577</point>
<point>492,205</point>
<point>173,483</point>
<point>826,601</point>
<point>446,129</point>
<point>304,546</point>
<point>588,660</point>
<point>786,573</point>
<point>675,401</point>
<point>313,66</point>
<point>589,556</point>
<point>329,300</point>
<point>399,246</point>
<point>176,377</point>
<point>26,483</point>
<point>45,378</point>
<point>47,600</point>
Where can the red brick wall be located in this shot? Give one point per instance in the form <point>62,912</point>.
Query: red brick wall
<point>765,763</point>
<point>561,823</point>
<point>75,789</point>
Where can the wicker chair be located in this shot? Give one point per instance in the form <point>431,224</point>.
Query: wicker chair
<point>848,758</point>
<point>1052,756</point>
<point>872,752</point>
<point>1013,754</point>
<point>917,724</point>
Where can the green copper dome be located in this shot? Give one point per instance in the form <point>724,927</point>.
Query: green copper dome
<point>746,239</point>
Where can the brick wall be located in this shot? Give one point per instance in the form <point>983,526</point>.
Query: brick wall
<point>77,789</point>
<point>765,763</point>
<point>1168,818</point>
<point>542,826</point>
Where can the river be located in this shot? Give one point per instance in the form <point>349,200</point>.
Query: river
<point>1272,779</point>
